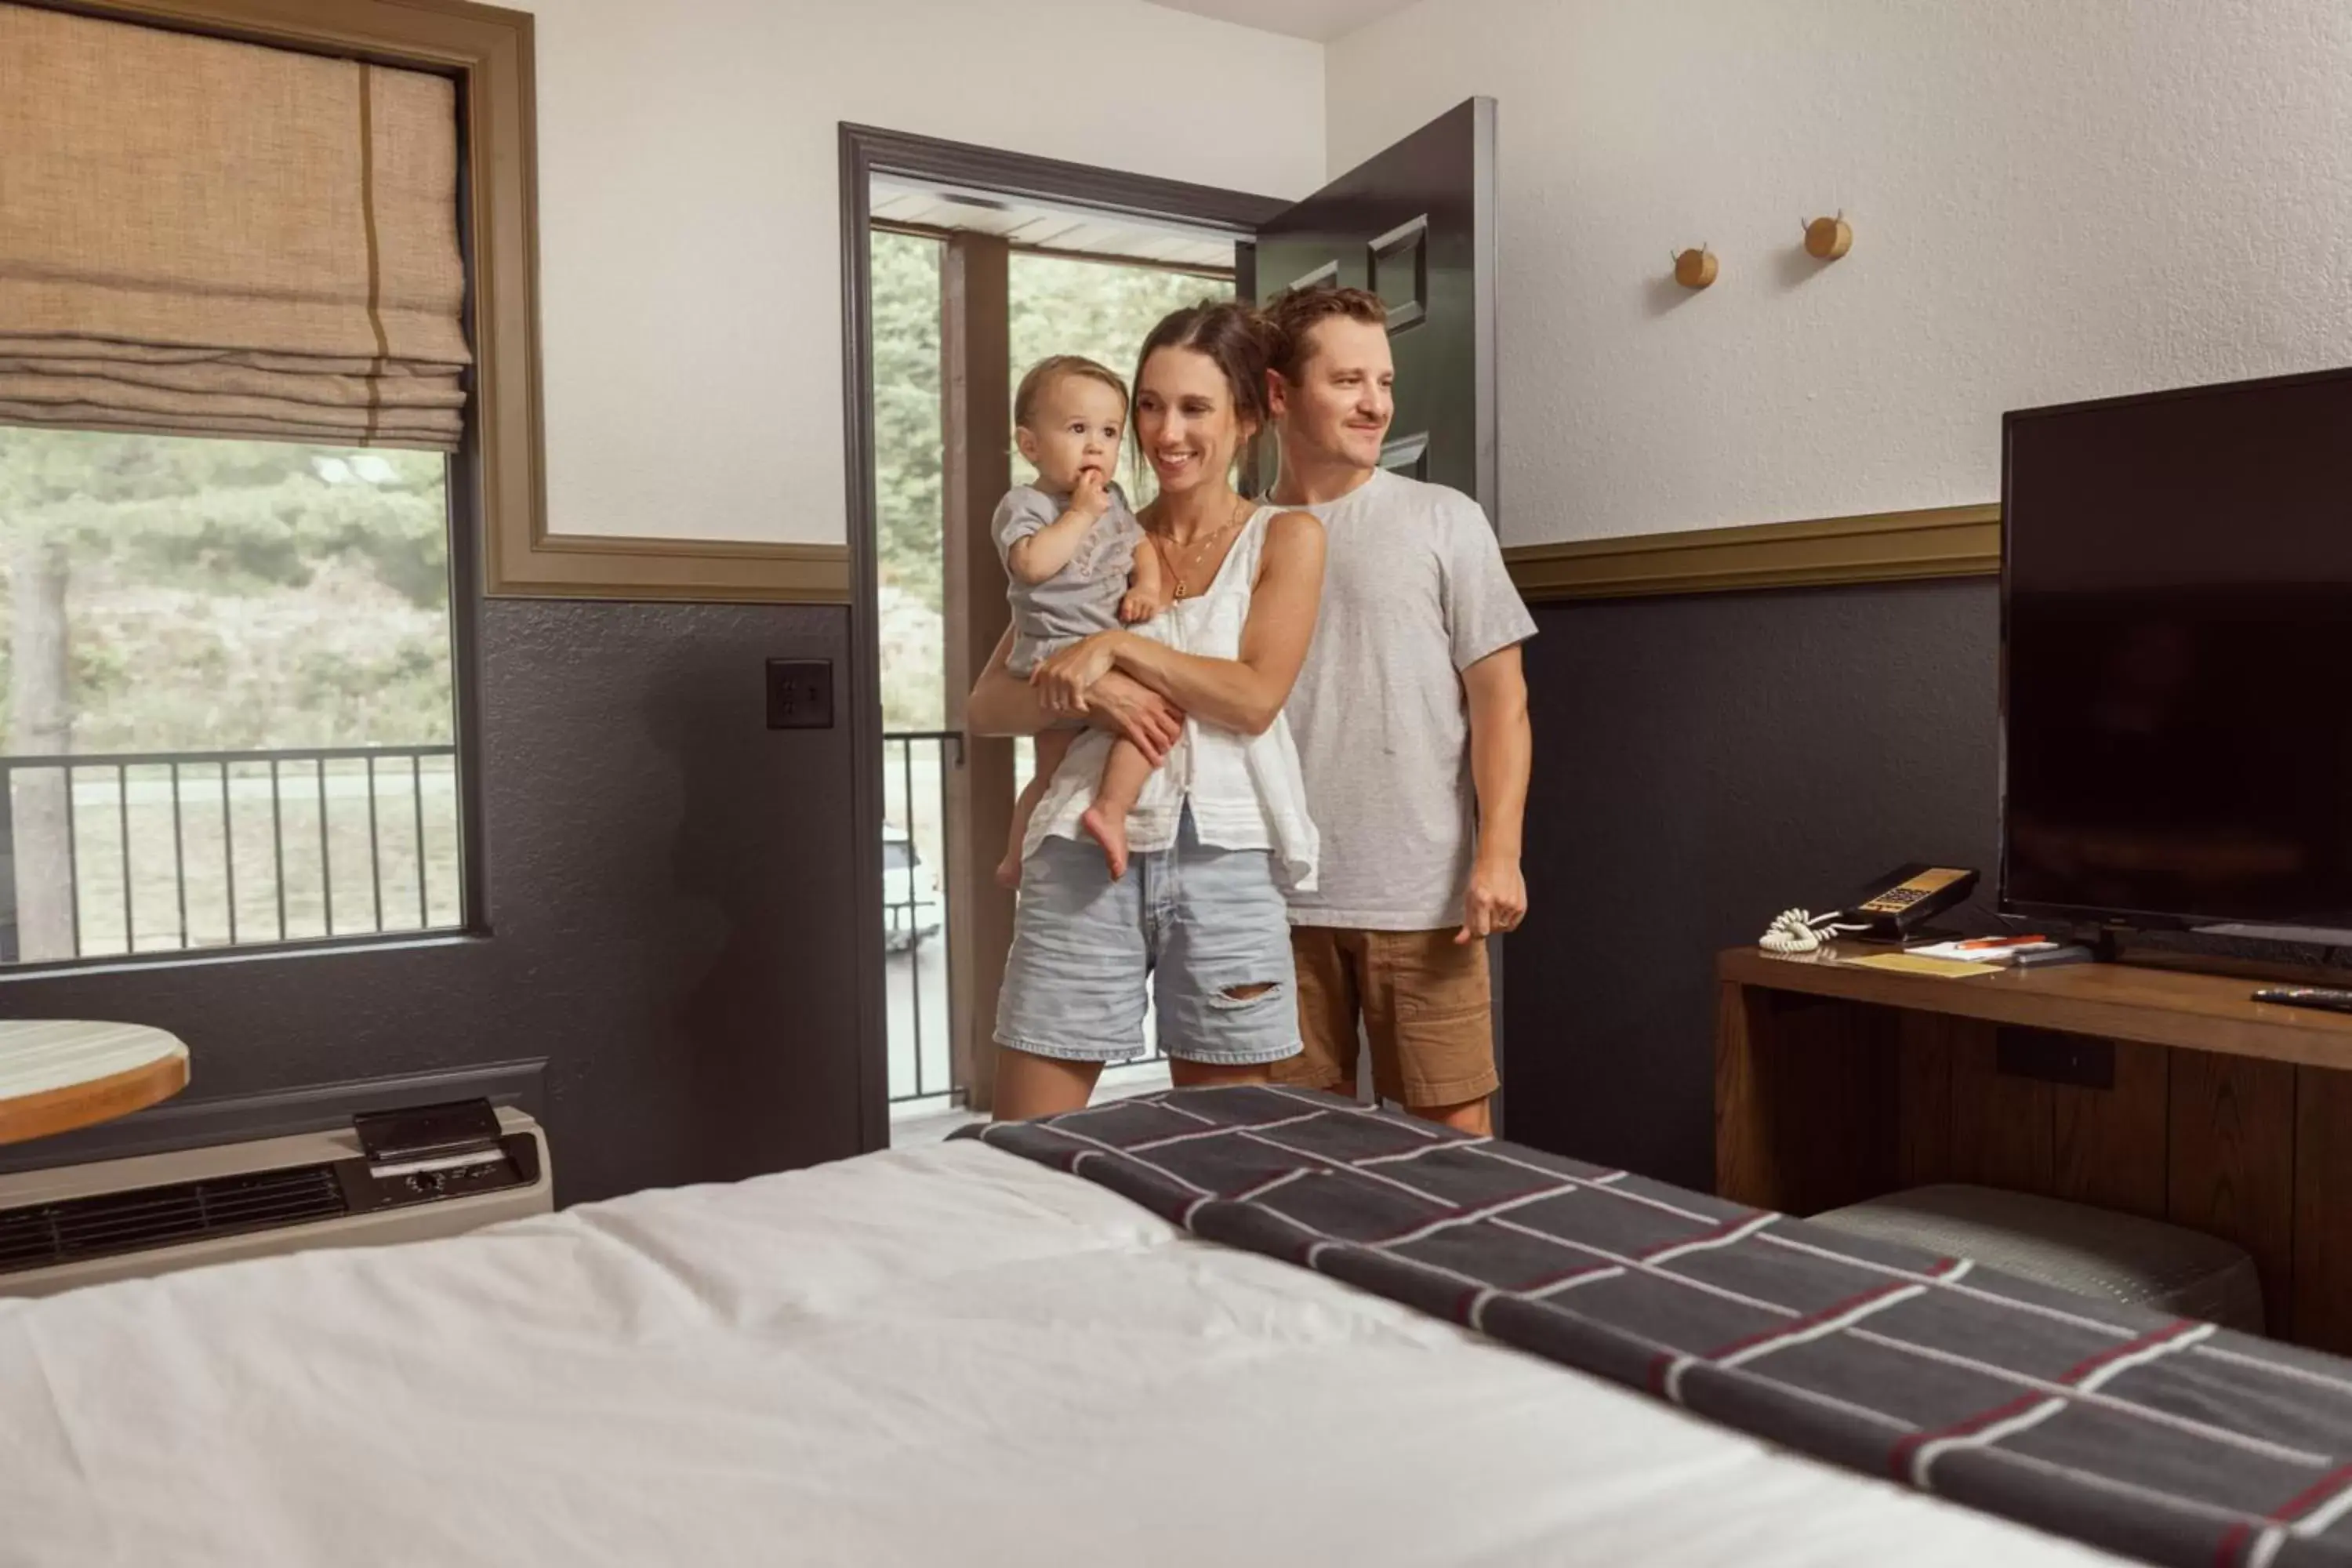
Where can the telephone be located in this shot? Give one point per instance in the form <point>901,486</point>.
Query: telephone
<point>1890,908</point>
<point>1907,896</point>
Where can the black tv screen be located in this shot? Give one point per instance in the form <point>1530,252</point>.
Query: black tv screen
<point>2177,658</point>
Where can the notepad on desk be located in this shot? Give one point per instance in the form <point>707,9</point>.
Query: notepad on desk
<point>1912,963</point>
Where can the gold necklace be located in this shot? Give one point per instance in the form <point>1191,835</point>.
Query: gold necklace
<point>1200,547</point>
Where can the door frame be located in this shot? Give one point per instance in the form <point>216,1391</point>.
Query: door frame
<point>865,152</point>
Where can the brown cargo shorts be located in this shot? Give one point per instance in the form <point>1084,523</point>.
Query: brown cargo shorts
<point>1425,1006</point>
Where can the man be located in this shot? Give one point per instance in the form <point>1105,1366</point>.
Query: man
<point>1411,717</point>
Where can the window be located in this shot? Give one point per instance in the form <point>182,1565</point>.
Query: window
<point>229,716</point>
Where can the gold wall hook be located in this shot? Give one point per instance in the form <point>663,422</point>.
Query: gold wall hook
<point>1827,238</point>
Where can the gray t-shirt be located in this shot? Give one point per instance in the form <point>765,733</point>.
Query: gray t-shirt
<point>1415,591</point>
<point>1082,598</point>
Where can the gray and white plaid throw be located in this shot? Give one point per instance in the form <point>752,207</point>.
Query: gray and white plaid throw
<point>2172,1441</point>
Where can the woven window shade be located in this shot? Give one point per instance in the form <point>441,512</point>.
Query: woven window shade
<point>202,236</point>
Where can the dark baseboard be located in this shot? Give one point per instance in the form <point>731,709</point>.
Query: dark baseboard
<point>197,1124</point>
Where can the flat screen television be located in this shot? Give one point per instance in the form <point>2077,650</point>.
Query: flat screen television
<point>2176,672</point>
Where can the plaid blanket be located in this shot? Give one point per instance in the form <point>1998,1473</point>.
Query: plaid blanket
<point>2172,1441</point>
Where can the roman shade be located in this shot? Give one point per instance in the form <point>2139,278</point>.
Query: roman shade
<point>204,236</point>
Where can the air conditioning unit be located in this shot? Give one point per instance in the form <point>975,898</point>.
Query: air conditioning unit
<point>403,1175</point>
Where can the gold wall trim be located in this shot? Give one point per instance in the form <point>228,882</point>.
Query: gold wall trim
<point>1881,547</point>
<point>597,566</point>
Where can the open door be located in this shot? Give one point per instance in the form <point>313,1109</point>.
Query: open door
<point>1415,224</point>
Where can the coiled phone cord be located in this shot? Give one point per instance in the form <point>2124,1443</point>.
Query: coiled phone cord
<point>1795,930</point>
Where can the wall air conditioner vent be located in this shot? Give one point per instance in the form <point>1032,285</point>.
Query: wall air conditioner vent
<point>116,1223</point>
<point>411,1175</point>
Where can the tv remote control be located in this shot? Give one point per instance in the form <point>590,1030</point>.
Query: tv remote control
<point>2327,997</point>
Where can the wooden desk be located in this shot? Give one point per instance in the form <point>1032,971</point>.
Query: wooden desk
<point>58,1075</point>
<point>2149,1091</point>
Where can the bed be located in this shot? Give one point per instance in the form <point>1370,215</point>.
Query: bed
<point>958,1353</point>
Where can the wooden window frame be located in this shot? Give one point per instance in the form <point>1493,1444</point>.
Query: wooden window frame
<point>489,53</point>
<point>495,475</point>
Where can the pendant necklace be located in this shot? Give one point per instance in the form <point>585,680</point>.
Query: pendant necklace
<point>1200,547</point>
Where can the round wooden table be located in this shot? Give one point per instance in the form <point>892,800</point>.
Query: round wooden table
<point>58,1075</point>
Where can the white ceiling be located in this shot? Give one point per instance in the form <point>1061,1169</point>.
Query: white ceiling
<point>1321,20</point>
<point>1040,224</point>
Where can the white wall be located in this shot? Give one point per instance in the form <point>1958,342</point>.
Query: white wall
<point>689,223</point>
<point>2051,199</point>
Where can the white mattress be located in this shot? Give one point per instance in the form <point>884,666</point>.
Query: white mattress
<point>942,1355</point>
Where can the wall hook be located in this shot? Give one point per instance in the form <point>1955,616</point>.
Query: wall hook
<point>1696,269</point>
<point>1827,238</point>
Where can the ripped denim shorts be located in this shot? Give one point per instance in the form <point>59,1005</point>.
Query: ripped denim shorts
<point>1206,928</point>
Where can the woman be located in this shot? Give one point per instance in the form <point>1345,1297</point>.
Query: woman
<point>1220,828</point>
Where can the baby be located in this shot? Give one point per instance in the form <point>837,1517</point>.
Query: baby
<point>1073,568</point>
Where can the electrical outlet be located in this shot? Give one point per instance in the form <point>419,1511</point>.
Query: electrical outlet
<point>800,694</point>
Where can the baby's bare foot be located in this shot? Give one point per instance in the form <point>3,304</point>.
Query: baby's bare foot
<point>1108,830</point>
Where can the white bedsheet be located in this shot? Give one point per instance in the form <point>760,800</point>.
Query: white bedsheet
<point>942,1355</point>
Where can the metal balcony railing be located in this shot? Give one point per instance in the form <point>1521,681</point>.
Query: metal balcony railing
<point>123,854</point>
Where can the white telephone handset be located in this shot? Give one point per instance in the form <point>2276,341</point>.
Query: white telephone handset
<point>1795,930</point>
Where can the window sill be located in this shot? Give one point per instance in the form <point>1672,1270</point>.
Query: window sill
<point>117,964</point>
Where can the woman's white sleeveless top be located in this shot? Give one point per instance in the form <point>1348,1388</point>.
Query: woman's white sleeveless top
<point>1245,791</point>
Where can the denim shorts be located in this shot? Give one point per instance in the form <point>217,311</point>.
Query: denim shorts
<point>1195,922</point>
